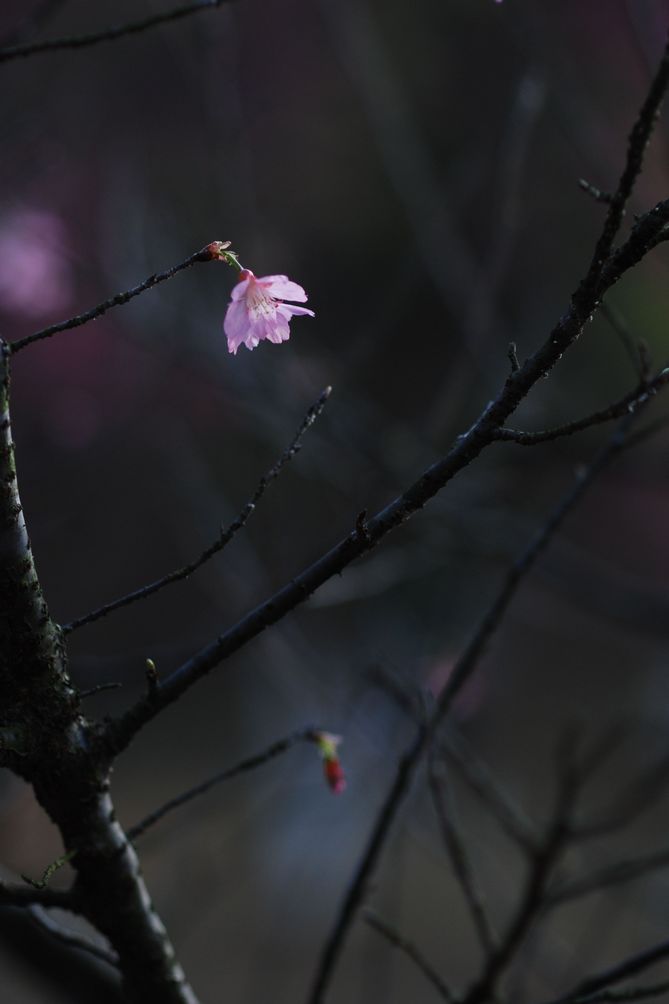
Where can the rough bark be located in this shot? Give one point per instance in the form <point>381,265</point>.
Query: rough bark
<point>45,738</point>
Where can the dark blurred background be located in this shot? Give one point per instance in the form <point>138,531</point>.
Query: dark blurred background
<point>415,168</point>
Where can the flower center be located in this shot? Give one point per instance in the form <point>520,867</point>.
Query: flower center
<point>258,301</point>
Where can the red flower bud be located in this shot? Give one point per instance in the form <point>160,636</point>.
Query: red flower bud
<point>334,775</point>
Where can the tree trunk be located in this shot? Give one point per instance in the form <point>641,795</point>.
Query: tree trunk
<point>45,738</point>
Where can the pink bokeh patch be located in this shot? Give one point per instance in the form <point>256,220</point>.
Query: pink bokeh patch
<point>472,696</point>
<point>35,274</point>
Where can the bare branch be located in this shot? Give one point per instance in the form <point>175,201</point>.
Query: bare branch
<point>113,892</point>
<point>466,449</point>
<point>625,405</point>
<point>630,966</point>
<point>510,816</point>
<point>225,536</point>
<point>636,798</point>
<point>108,34</point>
<point>628,994</point>
<point>602,878</point>
<point>649,230</point>
<point>276,749</point>
<point>98,689</point>
<point>594,192</point>
<point>638,141</point>
<point>407,699</point>
<point>365,866</point>
<point>601,749</point>
<point>409,949</point>
<point>71,938</point>
<point>641,435</point>
<point>442,798</point>
<point>409,762</point>
<point>115,301</point>
<point>120,732</point>
<point>529,907</point>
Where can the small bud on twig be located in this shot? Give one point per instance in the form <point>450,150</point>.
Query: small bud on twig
<point>151,677</point>
<point>512,353</point>
<point>216,249</point>
<point>327,746</point>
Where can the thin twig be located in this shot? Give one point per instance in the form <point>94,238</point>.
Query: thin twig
<point>99,689</point>
<point>630,966</point>
<point>481,312</point>
<point>636,147</point>
<point>409,949</point>
<point>641,435</point>
<point>529,906</point>
<point>603,878</point>
<point>594,192</point>
<point>71,938</point>
<point>466,449</point>
<point>119,733</point>
<point>205,254</point>
<point>601,749</point>
<point>13,894</point>
<point>464,668</point>
<point>107,34</point>
<point>625,405</point>
<point>225,536</point>
<point>250,763</point>
<point>638,797</point>
<point>407,700</point>
<point>649,230</point>
<point>456,847</point>
<point>510,816</point>
<point>357,889</point>
<point>627,994</point>
<point>49,871</point>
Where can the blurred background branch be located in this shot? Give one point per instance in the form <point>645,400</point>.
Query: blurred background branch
<point>416,168</point>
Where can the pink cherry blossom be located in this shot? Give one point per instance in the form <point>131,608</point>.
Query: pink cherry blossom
<point>257,310</point>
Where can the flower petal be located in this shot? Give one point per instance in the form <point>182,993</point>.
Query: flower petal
<point>334,774</point>
<point>287,310</point>
<point>281,287</point>
<point>257,310</point>
<point>236,325</point>
<point>280,332</point>
<point>236,320</point>
<point>239,289</point>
